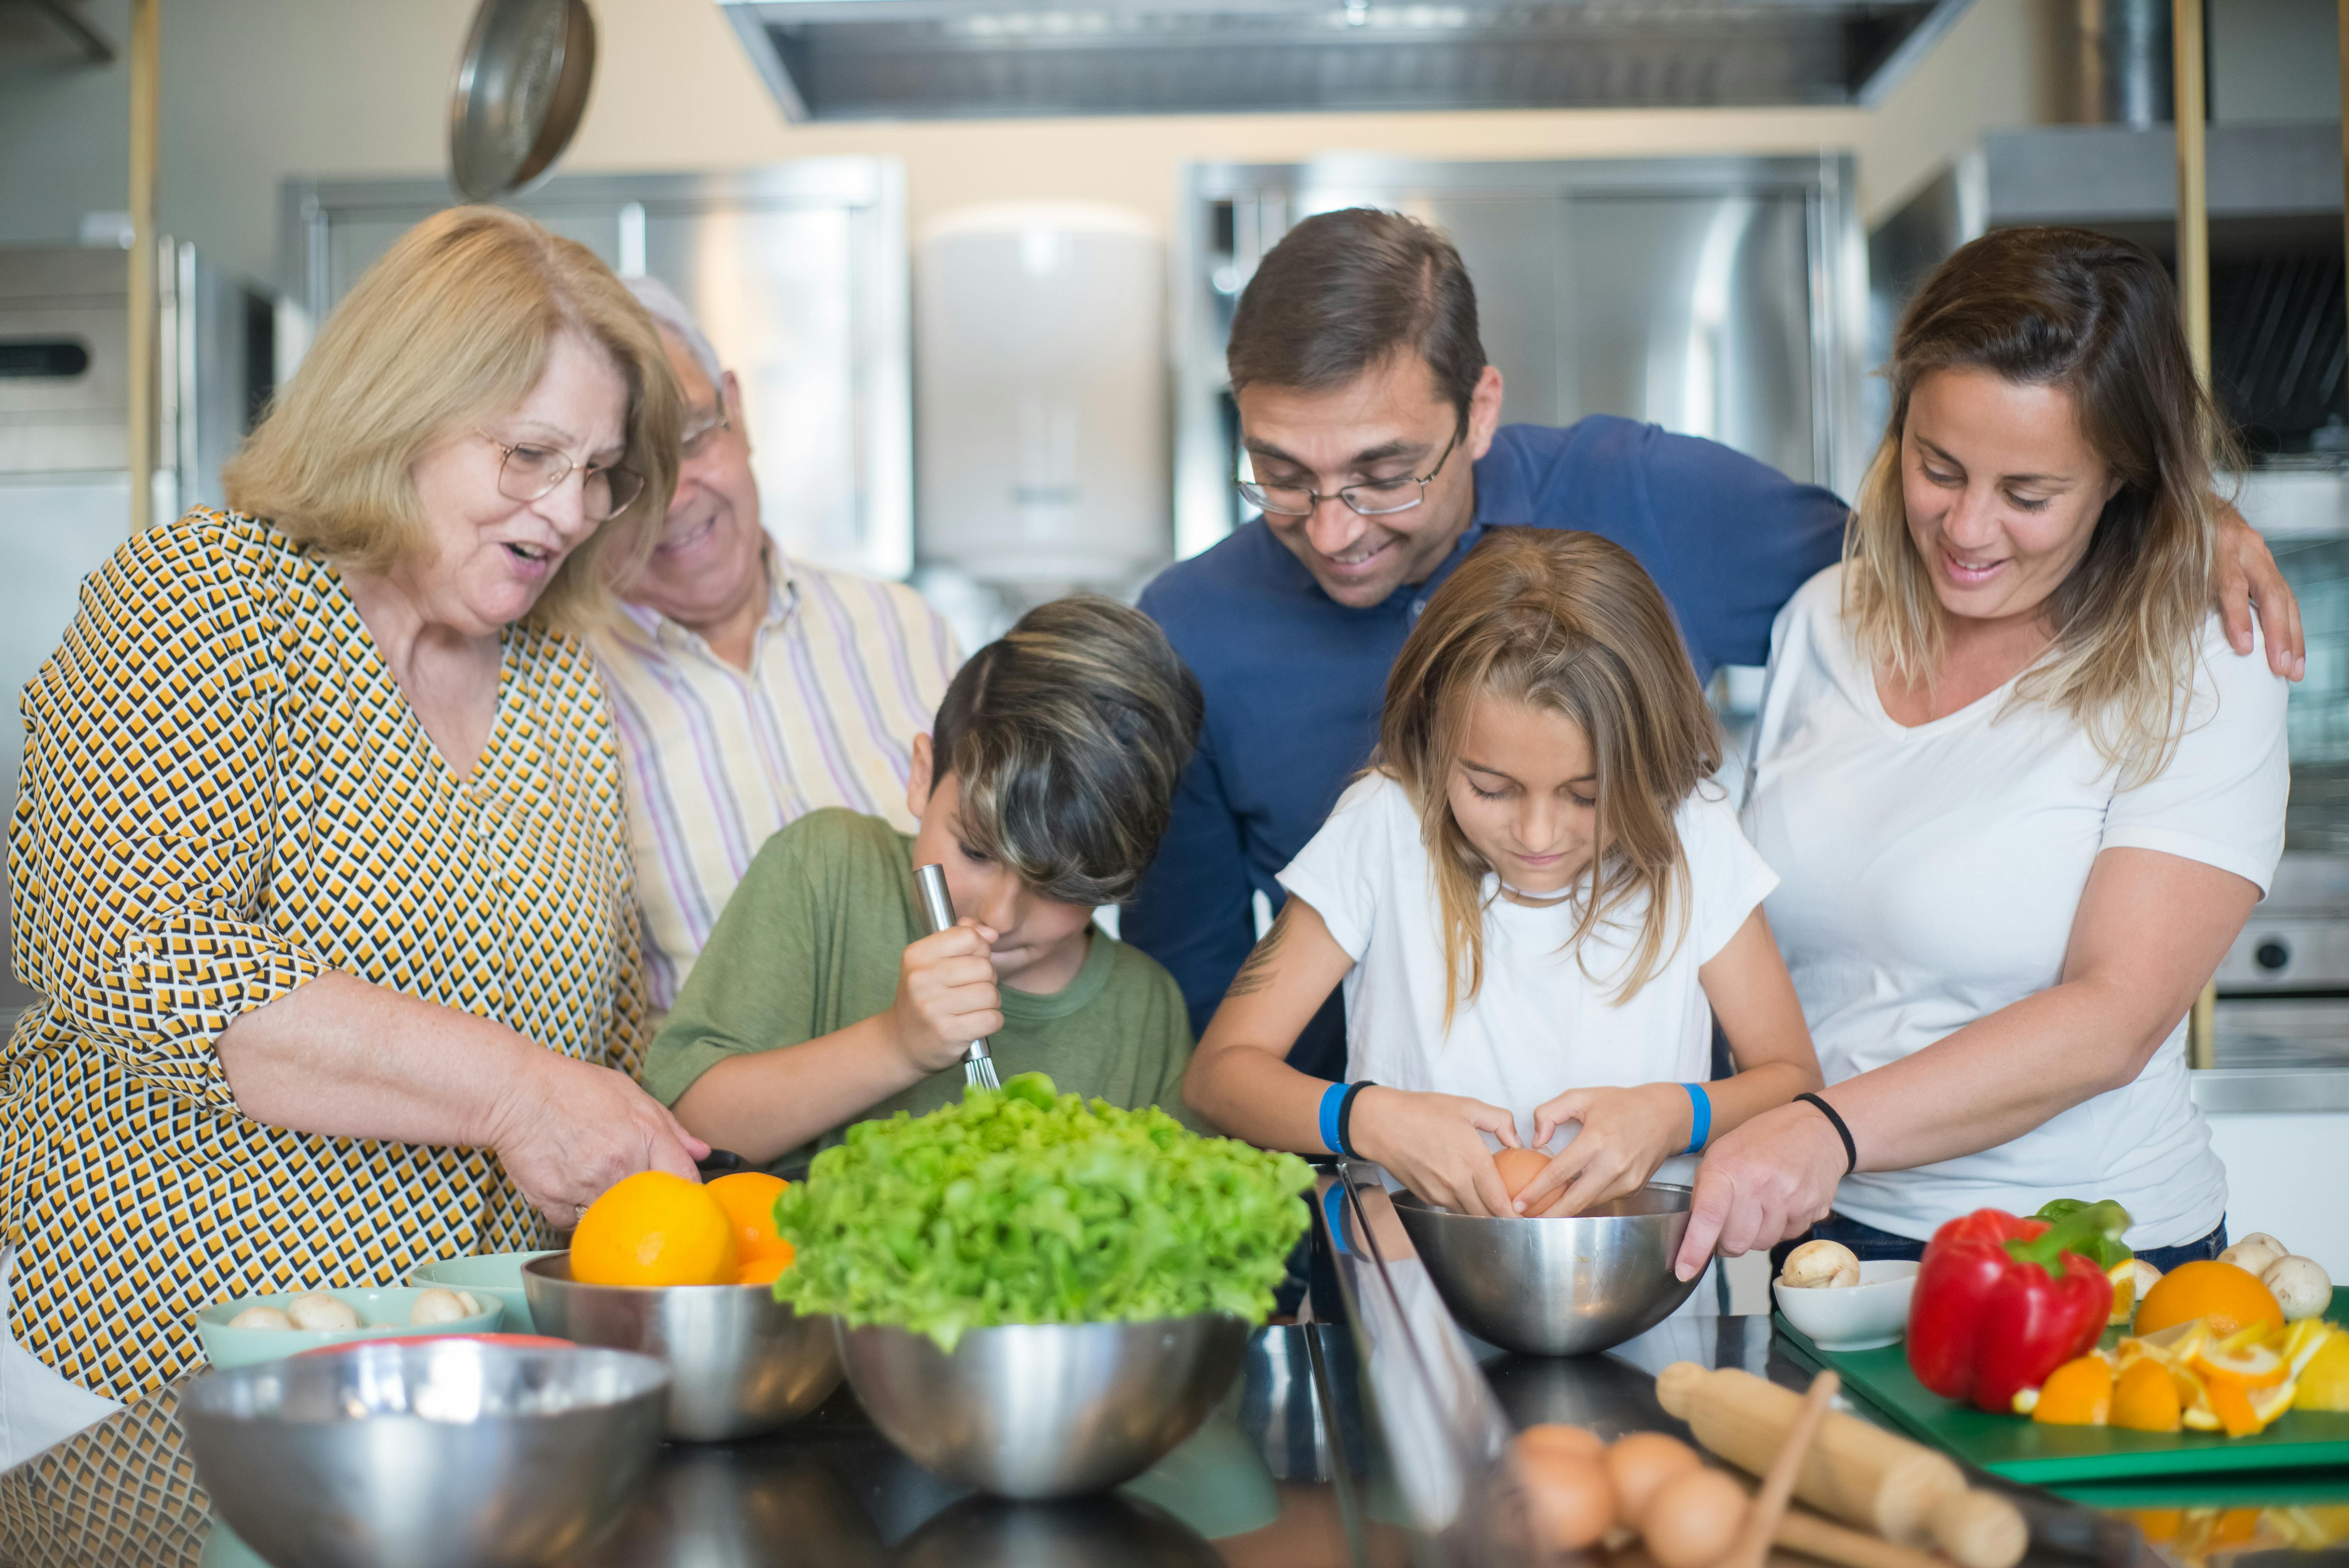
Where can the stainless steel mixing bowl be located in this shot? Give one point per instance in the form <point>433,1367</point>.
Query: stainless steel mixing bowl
<point>741,1362</point>
<point>1556,1288</point>
<point>426,1456</point>
<point>1045,1410</point>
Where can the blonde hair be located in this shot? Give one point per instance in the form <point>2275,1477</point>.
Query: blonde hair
<point>450,327</point>
<point>2097,318</point>
<point>1570,622</point>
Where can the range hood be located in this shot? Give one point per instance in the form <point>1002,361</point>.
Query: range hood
<point>848,59</point>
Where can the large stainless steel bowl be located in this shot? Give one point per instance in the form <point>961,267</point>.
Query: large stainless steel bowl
<point>1045,1410</point>
<point>1556,1286</point>
<point>741,1362</point>
<point>428,1455</point>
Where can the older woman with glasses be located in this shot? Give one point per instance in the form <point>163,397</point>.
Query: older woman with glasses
<point>321,862</point>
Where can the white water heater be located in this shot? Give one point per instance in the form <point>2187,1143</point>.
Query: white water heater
<point>1040,395</point>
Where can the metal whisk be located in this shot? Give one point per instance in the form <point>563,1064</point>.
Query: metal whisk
<point>930,883</point>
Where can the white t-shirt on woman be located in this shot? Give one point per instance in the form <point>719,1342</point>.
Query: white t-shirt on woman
<point>1540,1024</point>
<point>1930,876</point>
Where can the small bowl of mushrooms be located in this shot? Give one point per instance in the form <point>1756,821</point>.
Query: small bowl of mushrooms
<point>1842,1304</point>
<point>266,1328</point>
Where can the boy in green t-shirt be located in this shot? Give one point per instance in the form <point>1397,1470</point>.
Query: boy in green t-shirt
<point>1043,790</point>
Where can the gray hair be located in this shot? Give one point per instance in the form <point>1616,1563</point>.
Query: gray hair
<point>1066,738</point>
<point>669,311</point>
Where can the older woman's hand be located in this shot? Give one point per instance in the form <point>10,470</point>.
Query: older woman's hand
<point>1772,1177</point>
<point>568,1130</point>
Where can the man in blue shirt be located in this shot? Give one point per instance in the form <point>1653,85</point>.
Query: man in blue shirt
<point>1372,428</point>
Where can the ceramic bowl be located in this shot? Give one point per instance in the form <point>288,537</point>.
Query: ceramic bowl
<point>383,1315</point>
<point>492,1274</point>
<point>1864,1316</point>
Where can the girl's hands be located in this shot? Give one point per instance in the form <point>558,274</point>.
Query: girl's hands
<point>1626,1134</point>
<point>1434,1145</point>
<point>945,996</point>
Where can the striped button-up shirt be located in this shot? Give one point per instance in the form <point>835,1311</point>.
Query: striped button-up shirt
<point>844,673</point>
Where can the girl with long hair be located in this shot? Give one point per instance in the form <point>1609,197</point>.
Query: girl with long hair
<point>1535,900</point>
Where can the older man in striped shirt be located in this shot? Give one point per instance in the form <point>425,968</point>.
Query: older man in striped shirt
<point>748,689</point>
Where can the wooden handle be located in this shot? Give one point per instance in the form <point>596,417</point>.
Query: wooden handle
<point>1769,1506</point>
<point>1854,1471</point>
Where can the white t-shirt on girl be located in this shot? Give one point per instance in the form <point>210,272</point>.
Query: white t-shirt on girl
<point>1540,1024</point>
<point>1931,876</point>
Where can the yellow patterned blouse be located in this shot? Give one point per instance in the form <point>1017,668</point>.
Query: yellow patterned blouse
<point>225,794</point>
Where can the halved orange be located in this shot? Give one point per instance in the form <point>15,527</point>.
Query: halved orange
<point>2076,1394</point>
<point>2145,1399</point>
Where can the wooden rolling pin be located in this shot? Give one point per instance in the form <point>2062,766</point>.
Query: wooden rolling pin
<point>1854,1471</point>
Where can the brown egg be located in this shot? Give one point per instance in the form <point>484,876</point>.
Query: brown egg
<point>1569,1501</point>
<point>1518,1167</point>
<point>1555,1437</point>
<point>1694,1518</point>
<point>1639,1463</point>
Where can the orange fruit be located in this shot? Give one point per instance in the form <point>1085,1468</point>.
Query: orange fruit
<point>749,1197</point>
<point>2146,1400</point>
<point>766,1270</point>
<point>651,1229</point>
<point>2223,1297</point>
<point>2155,1524</point>
<point>2076,1394</point>
<point>2232,1405</point>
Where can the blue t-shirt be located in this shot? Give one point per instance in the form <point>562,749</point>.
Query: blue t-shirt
<point>1294,679</point>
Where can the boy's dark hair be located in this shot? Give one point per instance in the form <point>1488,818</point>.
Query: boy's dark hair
<point>1066,737</point>
<point>1344,290</point>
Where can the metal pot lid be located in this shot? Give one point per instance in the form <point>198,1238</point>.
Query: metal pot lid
<point>521,87</point>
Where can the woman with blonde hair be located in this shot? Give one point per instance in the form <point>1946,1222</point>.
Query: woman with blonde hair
<point>319,862</point>
<point>2020,794</point>
<point>1535,900</point>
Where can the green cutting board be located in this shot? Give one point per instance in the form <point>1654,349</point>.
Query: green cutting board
<point>2026,1451</point>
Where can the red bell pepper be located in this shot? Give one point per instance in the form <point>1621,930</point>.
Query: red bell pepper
<point>2001,1302</point>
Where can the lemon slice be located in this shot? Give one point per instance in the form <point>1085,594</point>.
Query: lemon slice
<point>2302,1341</point>
<point>2246,1367</point>
<point>2200,1418</point>
<point>2267,1404</point>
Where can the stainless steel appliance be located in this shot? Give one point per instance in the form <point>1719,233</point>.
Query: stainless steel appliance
<point>65,458</point>
<point>836,59</point>
<point>797,271</point>
<point>1718,296</point>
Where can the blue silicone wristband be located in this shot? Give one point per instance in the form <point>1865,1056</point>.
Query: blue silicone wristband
<point>1331,1099</point>
<point>1701,1117</point>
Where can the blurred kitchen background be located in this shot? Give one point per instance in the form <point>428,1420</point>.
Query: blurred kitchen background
<point>975,262</point>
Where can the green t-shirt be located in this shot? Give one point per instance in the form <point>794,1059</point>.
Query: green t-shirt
<point>810,944</point>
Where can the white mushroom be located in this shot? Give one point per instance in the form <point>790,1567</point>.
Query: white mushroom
<point>1816,1265</point>
<point>2301,1286</point>
<point>438,1305</point>
<point>2255,1253</point>
<point>261,1317</point>
<point>318,1311</point>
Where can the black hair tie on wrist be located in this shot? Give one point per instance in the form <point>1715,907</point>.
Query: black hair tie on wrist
<point>1346,1118</point>
<point>1850,1149</point>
